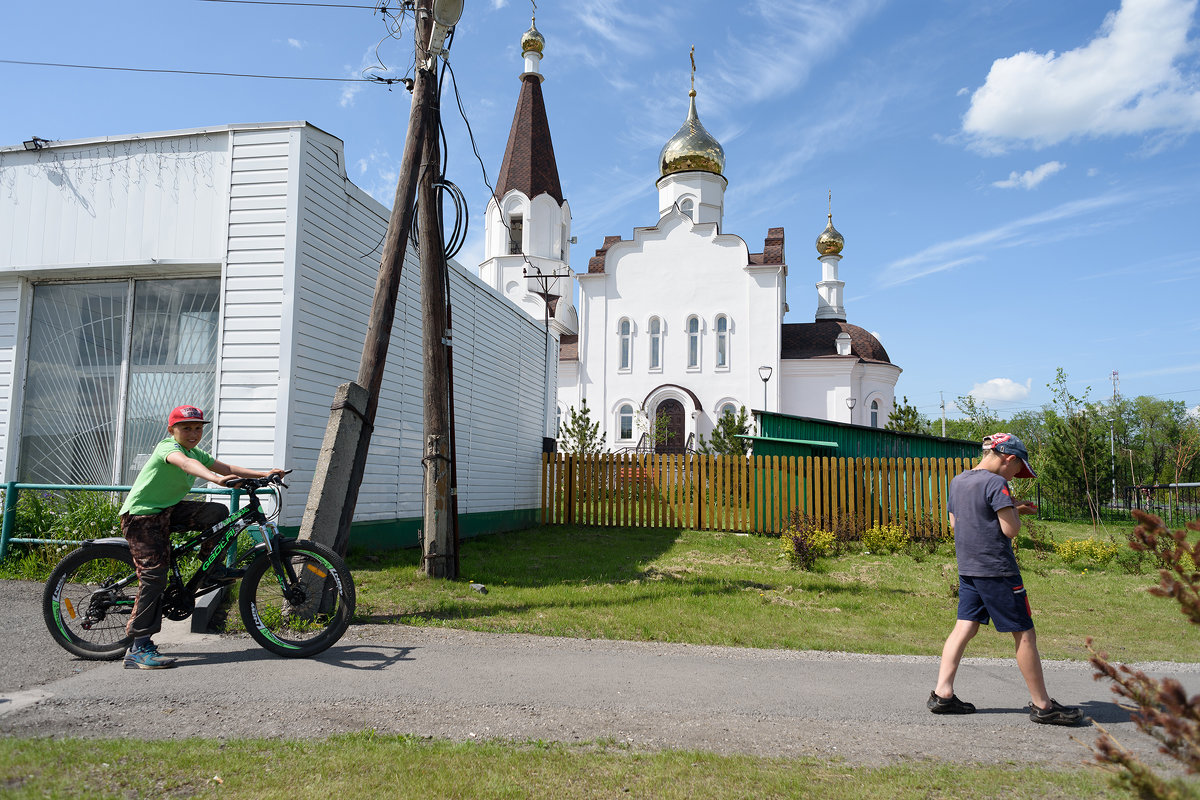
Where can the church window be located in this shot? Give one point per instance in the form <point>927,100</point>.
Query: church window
<point>688,207</point>
<point>874,413</point>
<point>693,334</point>
<point>515,228</point>
<point>655,343</point>
<point>722,341</point>
<point>625,335</point>
<point>728,409</point>
<point>625,422</point>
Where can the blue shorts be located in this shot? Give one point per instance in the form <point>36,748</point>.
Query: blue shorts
<point>1001,599</point>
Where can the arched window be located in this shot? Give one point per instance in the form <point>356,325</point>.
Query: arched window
<point>624,334</point>
<point>722,341</point>
<point>693,333</point>
<point>625,422</point>
<point>728,408</point>
<point>557,421</point>
<point>655,343</point>
<point>874,413</point>
<point>687,207</point>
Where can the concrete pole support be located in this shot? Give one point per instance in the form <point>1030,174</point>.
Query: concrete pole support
<point>331,483</point>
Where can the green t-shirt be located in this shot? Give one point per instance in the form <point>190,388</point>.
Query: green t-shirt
<point>161,485</point>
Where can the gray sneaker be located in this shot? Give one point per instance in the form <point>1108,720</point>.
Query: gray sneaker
<point>1056,714</point>
<point>147,657</point>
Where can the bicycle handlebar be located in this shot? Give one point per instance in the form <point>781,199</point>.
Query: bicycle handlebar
<point>253,484</point>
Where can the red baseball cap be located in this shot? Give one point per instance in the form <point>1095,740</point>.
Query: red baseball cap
<point>186,414</point>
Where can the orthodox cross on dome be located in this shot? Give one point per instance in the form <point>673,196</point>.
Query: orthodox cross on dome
<point>692,93</point>
<point>533,14</point>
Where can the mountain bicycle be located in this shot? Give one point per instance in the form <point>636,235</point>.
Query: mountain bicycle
<point>295,599</point>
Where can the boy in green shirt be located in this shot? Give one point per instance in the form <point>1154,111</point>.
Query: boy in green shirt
<point>154,507</point>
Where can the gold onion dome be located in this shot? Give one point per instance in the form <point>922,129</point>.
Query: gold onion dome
<point>830,242</point>
<point>692,147</point>
<point>532,40</point>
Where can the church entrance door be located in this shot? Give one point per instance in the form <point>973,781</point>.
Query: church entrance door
<point>670,414</point>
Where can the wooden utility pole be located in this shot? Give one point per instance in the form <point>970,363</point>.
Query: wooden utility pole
<point>437,534</point>
<point>342,462</point>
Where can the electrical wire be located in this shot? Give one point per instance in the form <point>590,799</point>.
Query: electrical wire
<point>370,79</point>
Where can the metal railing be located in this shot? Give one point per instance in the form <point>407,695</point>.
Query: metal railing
<point>13,489</point>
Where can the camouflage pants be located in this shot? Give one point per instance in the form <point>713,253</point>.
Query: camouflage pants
<point>149,537</point>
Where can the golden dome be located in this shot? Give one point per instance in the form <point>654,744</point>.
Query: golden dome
<point>532,40</point>
<point>692,147</point>
<point>830,242</point>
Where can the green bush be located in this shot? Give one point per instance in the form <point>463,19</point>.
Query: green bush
<point>885,539</point>
<point>1092,551</point>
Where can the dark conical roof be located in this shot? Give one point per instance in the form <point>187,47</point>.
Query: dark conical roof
<point>529,164</point>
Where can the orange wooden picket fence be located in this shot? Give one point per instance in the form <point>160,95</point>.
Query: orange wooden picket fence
<point>745,494</point>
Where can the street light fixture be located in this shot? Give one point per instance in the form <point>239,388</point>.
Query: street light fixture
<point>850,403</point>
<point>446,14</point>
<point>764,372</point>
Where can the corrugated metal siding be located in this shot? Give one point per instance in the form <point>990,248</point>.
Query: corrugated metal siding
<point>129,201</point>
<point>853,441</point>
<point>252,301</point>
<point>498,367</point>
<point>10,313</point>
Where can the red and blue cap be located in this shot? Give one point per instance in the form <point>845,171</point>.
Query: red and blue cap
<point>1012,446</point>
<point>186,414</point>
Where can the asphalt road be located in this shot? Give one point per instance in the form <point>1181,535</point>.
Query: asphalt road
<point>463,685</point>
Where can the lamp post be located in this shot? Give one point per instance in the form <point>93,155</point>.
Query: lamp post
<point>764,372</point>
<point>850,403</point>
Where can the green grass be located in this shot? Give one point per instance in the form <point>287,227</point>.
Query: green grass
<point>409,767</point>
<point>729,589</point>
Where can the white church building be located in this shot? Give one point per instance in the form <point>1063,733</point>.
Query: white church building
<point>679,321</point>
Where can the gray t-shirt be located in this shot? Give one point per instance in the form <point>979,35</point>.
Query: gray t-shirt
<point>983,550</point>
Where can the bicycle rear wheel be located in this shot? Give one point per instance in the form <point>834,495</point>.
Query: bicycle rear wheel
<point>88,599</point>
<point>307,615</point>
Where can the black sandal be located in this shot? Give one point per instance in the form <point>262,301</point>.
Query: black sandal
<point>940,705</point>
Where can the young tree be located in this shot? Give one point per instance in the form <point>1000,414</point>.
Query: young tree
<point>907,419</point>
<point>978,420</point>
<point>725,441</point>
<point>1076,451</point>
<point>580,435</point>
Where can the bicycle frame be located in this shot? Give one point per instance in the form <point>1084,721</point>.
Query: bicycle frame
<point>227,531</point>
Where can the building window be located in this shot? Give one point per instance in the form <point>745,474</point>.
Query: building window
<point>874,413</point>
<point>655,343</point>
<point>107,362</point>
<point>515,228</point>
<point>688,207</point>
<point>728,408</point>
<point>722,341</point>
<point>693,334</point>
<point>557,421</point>
<point>625,422</point>
<point>624,333</point>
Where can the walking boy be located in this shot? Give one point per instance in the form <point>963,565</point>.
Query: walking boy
<point>154,507</point>
<point>985,521</point>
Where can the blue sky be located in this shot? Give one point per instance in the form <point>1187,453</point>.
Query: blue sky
<point>1018,182</point>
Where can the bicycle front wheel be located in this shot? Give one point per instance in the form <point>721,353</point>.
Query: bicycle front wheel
<point>305,612</point>
<point>88,600</point>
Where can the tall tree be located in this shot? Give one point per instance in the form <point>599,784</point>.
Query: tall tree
<point>1076,451</point>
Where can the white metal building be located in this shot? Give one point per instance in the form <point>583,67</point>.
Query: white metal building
<point>233,268</point>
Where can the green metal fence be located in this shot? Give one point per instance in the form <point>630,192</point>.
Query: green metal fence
<point>12,492</point>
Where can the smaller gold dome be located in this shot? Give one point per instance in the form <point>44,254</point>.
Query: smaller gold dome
<point>830,242</point>
<point>692,148</point>
<point>532,40</point>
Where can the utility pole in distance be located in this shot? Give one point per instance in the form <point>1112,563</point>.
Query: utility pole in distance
<point>343,458</point>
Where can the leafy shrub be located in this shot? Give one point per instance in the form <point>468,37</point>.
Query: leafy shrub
<point>803,548</point>
<point>70,515</point>
<point>885,539</point>
<point>1090,550</point>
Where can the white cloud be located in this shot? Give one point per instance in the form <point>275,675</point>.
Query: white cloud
<point>1127,80</point>
<point>499,4</point>
<point>1004,390</point>
<point>956,252</point>
<point>296,43</point>
<point>1030,177</point>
